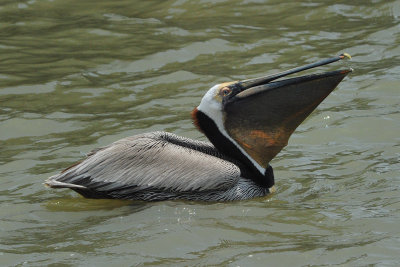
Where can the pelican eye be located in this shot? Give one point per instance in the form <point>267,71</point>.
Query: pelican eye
<point>225,91</point>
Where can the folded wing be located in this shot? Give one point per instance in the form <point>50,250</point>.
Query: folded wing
<point>149,162</point>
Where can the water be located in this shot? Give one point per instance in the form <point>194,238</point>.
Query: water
<point>75,75</point>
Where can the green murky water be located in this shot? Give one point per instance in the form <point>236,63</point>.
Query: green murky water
<point>75,75</point>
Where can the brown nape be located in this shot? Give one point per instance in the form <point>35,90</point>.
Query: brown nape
<point>195,119</point>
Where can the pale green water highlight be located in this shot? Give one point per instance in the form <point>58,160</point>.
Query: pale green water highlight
<point>75,75</point>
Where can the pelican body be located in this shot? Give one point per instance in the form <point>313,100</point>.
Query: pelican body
<point>247,123</point>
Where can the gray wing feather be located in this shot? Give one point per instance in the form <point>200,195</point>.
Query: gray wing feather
<point>157,160</point>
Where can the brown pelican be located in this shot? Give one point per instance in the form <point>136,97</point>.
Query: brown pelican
<point>248,122</point>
